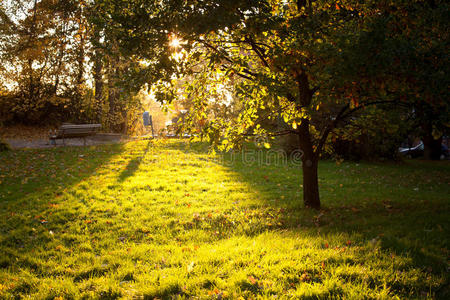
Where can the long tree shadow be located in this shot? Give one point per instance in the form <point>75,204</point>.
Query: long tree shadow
<point>366,206</point>
<point>24,173</point>
<point>32,183</point>
<point>374,204</point>
<point>133,164</point>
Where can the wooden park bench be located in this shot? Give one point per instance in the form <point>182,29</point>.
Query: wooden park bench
<point>66,131</point>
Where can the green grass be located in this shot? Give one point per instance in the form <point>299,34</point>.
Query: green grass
<point>167,220</point>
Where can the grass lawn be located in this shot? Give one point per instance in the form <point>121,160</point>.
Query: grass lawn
<point>166,220</point>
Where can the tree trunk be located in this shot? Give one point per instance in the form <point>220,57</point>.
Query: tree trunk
<point>97,57</point>
<point>98,86</point>
<point>432,147</point>
<point>310,184</point>
<point>309,167</point>
<point>310,160</point>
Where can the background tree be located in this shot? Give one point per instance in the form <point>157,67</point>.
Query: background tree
<point>58,65</point>
<point>38,57</point>
<point>404,56</point>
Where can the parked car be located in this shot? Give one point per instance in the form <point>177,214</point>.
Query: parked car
<point>412,152</point>
<point>418,151</point>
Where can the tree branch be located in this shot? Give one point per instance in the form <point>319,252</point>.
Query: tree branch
<point>328,129</point>
<point>208,45</point>
<point>278,133</point>
<point>343,114</point>
<point>257,50</point>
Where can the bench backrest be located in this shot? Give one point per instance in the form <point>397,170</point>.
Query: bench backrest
<point>78,129</point>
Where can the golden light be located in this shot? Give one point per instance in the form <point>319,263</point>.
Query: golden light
<point>174,42</point>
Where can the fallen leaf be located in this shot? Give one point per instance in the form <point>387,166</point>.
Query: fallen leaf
<point>305,277</point>
<point>252,280</point>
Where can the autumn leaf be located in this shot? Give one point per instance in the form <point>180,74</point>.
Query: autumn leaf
<point>252,280</point>
<point>305,277</point>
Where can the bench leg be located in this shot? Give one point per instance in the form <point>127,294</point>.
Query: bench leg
<point>84,140</point>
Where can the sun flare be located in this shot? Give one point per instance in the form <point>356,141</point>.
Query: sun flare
<point>174,42</point>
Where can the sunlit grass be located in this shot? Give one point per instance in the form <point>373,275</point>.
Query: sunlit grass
<point>161,219</point>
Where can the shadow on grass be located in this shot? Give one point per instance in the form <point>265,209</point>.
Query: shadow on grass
<point>31,184</point>
<point>403,221</point>
<point>400,226</point>
<point>25,173</point>
<point>401,208</point>
<point>133,164</point>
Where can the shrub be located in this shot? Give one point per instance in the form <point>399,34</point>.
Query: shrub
<point>4,146</point>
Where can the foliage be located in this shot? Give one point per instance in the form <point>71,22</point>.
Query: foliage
<point>4,146</point>
<point>408,43</point>
<point>50,54</point>
<point>376,134</point>
<point>39,57</point>
<point>91,222</point>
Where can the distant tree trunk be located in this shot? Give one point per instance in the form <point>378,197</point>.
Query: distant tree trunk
<point>125,117</point>
<point>58,68</point>
<point>113,72</point>
<point>98,74</point>
<point>112,105</point>
<point>98,85</point>
<point>30,81</point>
<point>309,167</point>
<point>80,69</point>
<point>431,146</point>
<point>80,63</point>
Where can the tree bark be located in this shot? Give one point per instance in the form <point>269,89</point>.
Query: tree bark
<point>310,161</point>
<point>98,85</point>
<point>310,184</point>
<point>432,147</point>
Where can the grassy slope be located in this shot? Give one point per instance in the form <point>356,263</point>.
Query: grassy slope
<point>163,220</point>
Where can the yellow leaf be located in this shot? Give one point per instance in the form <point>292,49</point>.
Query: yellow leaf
<point>190,267</point>
<point>267,145</point>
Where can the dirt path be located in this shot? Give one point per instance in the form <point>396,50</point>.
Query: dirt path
<point>39,143</point>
